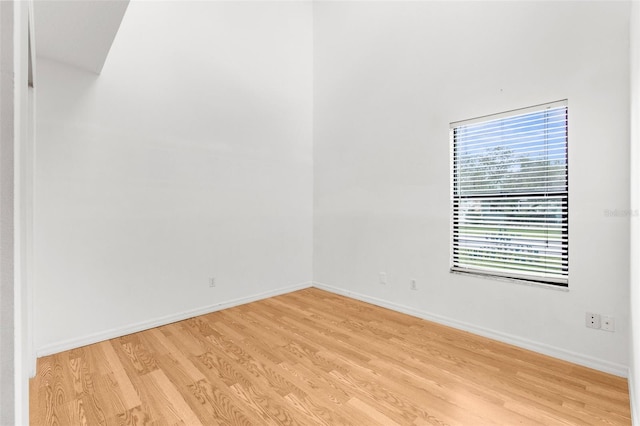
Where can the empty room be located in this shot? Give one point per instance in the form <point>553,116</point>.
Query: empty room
<point>319,212</point>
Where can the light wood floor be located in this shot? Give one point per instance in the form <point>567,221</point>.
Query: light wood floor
<point>311,357</point>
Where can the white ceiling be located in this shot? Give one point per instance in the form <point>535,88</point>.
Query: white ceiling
<point>79,33</point>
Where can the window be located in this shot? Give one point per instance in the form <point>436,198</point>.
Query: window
<point>509,195</point>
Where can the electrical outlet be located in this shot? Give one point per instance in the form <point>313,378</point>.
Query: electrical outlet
<point>592,320</point>
<point>212,282</point>
<point>608,323</point>
<point>414,285</point>
<point>383,277</point>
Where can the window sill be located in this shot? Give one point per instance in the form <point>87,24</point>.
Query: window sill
<point>512,280</point>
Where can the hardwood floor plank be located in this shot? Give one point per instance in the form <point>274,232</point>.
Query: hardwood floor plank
<point>43,408</point>
<point>175,400</point>
<point>316,358</point>
<point>230,377</point>
<point>371,412</point>
<point>133,417</point>
<point>155,402</point>
<point>130,396</point>
<point>179,336</point>
<point>321,383</point>
<point>139,356</point>
<point>312,412</point>
<point>257,403</point>
<point>61,381</point>
<point>227,408</point>
<point>228,331</point>
<point>109,397</point>
<point>409,394</point>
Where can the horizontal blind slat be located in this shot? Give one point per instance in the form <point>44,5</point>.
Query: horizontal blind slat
<point>515,141</point>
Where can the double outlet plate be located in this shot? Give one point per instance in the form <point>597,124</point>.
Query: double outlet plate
<point>602,322</point>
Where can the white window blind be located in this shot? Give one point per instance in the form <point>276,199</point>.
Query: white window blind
<point>509,195</point>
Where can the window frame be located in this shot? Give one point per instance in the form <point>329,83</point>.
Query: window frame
<point>456,198</point>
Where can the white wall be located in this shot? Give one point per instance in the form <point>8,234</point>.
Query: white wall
<point>7,200</point>
<point>389,77</point>
<point>188,157</point>
<point>634,376</point>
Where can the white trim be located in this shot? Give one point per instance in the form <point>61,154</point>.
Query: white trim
<point>29,183</point>
<point>511,113</point>
<point>574,357</point>
<point>511,280</point>
<point>157,322</point>
<point>635,420</point>
<point>634,203</point>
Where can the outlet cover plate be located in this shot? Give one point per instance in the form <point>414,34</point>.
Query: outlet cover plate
<point>608,323</point>
<point>592,320</point>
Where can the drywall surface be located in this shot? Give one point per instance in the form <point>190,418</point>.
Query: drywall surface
<point>189,157</point>
<point>79,33</point>
<point>8,361</point>
<point>389,77</point>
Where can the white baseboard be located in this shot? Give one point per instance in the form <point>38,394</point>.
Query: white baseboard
<point>574,357</point>
<point>157,322</point>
